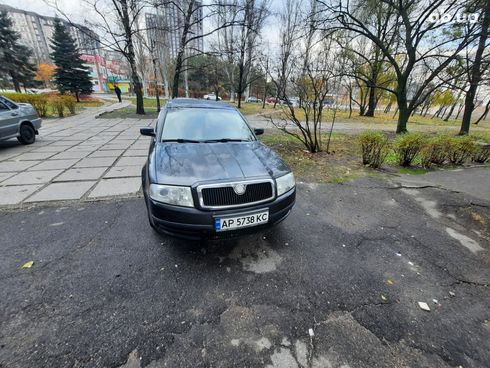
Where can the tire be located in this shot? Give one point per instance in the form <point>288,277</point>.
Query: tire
<point>27,134</point>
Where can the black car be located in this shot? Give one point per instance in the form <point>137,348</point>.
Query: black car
<point>207,175</point>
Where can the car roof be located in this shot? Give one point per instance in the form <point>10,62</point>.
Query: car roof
<point>197,103</point>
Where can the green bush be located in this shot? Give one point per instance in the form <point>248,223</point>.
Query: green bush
<point>58,105</point>
<point>40,103</point>
<point>435,151</point>
<point>43,103</point>
<point>374,147</point>
<point>481,154</point>
<point>407,146</point>
<point>70,103</point>
<point>461,149</point>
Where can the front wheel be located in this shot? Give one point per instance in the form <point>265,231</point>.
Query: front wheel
<point>27,134</point>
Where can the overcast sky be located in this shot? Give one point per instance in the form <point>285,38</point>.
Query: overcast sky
<point>77,13</point>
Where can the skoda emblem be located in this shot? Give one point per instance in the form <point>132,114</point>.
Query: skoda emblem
<point>239,188</point>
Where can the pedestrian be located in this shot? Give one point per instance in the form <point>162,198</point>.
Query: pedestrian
<point>118,93</point>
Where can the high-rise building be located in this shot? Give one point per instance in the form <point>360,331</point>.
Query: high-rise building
<point>164,27</point>
<point>36,31</point>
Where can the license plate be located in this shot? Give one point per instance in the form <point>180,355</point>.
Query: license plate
<point>240,221</point>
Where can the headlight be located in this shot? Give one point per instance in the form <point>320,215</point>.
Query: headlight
<point>285,183</point>
<point>180,196</point>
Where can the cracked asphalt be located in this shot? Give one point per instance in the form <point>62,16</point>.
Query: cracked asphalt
<point>335,285</point>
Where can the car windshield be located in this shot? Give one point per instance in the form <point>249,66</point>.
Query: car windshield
<point>196,125</point>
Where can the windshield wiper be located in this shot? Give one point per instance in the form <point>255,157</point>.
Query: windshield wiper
<point>180,140</point>
<point>224,140</point>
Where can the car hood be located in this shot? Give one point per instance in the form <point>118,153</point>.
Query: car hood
<point>192,163</point>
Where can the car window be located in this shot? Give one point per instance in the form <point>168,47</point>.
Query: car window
<point>10,104</point>
<point>3,107</point>
<point>201,124</point>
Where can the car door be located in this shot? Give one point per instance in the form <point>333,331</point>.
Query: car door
<point>8,121</point>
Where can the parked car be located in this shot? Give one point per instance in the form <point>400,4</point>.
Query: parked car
<point>272,100</point>
<point>18,120</point>
<point>294,101</point>
<point>207,174</point>
<point>211,96</point>
<point>254,99</point>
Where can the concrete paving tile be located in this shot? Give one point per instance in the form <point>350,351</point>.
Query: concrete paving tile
<point>9,166</point>
<point>96,162</point>
<point>87,148</point>
<point>49,148</point>
<point>32,177</point>
<point>72,154</point>
<point>65,143</point>
<point>15,194</point>
<point>108,153</point>
<point>10,154</point>
<point>113,187</point>
<point>129,161</point>
<point>54,165</point>
<point>123,171</point>
<point>62,191</point>
<point>92,173</point>
<point>114,146</point>
<point>136,152</point>
<point>5,175</point>
<point>30,156</point>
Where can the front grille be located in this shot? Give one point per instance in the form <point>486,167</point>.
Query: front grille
<point>226,196</point>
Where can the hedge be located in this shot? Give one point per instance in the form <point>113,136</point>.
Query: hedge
<point>43,103</point>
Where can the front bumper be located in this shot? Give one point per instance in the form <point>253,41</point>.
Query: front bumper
<point>194,223</point>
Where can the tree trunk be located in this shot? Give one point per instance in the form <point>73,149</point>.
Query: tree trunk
<point>157,92</point>
<point>16,83</point>
<point>451,110</point>
<point>476,72</point>
<point>350,102</point>
<point>403,111</point>
<point>485,113</point>
<point>140,110</point>
<point>180,55</point>
<point>371,102</point>
<point>178,70</point>
<point>77,95</point>
<point>388,107</point>
<point>241,72</point>
<point>186,80</point>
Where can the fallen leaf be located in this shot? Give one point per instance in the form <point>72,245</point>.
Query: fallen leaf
<point>389,282</point>
<point>28,264</point>
<point>383,298</point>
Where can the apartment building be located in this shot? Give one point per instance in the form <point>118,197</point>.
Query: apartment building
<point>36,31</point>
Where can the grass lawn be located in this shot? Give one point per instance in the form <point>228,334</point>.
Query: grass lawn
<point>343,163</point>
<point>79,107</point>
<point>130,113</point>
<point>416,122</point>
<point>147,102</point>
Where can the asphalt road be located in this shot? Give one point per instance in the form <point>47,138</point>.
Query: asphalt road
<point>336,285</point>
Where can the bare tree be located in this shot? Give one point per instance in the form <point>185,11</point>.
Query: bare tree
<point>421,43</point>
<point>477,68</point>
<point>290,20</point>
<point>228,13</point>
<point>254,13</point>
<point>313,77</point>
<point>116,22</point>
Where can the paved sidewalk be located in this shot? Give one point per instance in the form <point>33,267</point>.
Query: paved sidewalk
<point>75,158</point>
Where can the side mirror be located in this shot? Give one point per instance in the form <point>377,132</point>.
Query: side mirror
<point>147,131</point>
<point>258,131</point>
